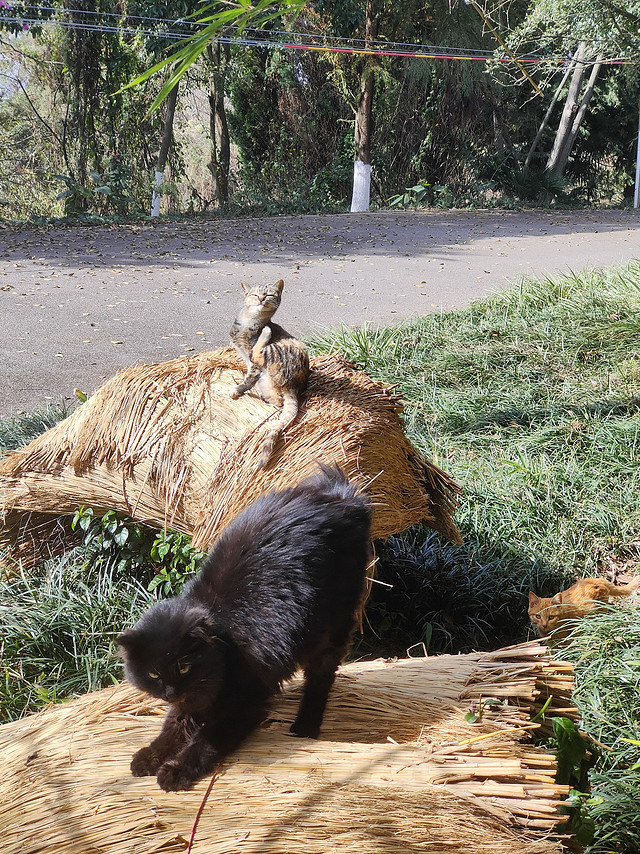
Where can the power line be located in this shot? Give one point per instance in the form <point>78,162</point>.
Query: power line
<point>261,37</point>
<point>287,35</point>
<point>97,28</point>
<point>277,39</point>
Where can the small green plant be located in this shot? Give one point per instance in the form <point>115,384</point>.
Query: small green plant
<point>114,185</point>
<point>177,558</point>
<point>77,199</point>
<point>109,193</point>
<point>477,709</point>
<point>571,753</point>
<point>419,194</point>
<point>114,538</point>
<point>132,547</point>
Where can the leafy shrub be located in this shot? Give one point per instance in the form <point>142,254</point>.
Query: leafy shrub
<point>135,548</point>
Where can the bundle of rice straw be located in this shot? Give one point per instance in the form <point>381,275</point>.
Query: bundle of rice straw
<point>165,444</point>
<point>396,769</point>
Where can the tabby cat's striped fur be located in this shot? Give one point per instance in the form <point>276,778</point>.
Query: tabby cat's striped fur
<point>277,363</point>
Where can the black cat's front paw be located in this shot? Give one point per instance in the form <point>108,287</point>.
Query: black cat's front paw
<point>145,763</point>
<point>174,776</point>
<point>236,392</point>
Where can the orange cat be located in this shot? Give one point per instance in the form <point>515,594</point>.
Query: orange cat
<point>574,602</point>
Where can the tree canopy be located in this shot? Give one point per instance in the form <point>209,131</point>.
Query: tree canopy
<point>429,94</point>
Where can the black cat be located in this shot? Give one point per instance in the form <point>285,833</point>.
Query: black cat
<point>280,590</point>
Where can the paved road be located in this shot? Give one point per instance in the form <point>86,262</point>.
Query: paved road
<point>77,303</point>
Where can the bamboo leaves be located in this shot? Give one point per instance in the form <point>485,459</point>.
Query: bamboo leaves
<point>215,18</point>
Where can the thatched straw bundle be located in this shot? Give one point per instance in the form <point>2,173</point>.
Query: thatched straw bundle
<point>397,769</point>
<point>165,444</point>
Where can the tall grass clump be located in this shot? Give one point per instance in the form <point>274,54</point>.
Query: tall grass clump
<point>531,400</point>
<point>605,649</point>
<point>57,627</point>
<point>21,429</point>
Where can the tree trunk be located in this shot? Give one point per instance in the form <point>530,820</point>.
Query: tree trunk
<point>547,117</point>
<point>563,157</point>
<point>218,126</point>
<point>165,145</point>
<point>568,113</point>
<point>364,122</point>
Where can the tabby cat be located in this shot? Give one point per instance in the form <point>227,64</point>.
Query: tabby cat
<point>281,589</point>
<point>547,614</point>
<point>277,363</point>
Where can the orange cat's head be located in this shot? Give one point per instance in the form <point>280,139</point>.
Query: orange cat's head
<point>544,613</point>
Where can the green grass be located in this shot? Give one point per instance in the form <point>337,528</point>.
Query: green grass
<point>531,400</point>
<point>606,650</point>
<point>20,430</point>
<point>57,627</point>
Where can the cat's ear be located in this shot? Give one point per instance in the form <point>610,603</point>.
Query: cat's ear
<point>280,285</point>
<point>557,599</point>
<point>128,639</point>
<point>533,599</point>
<point>246,287</point>
<point>201,628</point>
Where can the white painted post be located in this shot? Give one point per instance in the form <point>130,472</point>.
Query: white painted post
<point>636,193</point>
<point>155,197</point>
<point>361,186</point>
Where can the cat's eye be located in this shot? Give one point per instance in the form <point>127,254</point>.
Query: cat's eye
<point>184,668</point>
<point>154,675</point>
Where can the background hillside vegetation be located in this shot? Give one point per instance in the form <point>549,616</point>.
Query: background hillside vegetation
<point>267,129</point>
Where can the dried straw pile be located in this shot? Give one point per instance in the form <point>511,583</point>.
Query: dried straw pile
<point>165,444</point>
<point>397,769</point>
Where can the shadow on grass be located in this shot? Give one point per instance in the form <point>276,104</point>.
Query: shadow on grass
<point>518,417</point>
<point>453,598</point>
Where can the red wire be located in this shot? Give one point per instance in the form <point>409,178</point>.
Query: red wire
<point>200,811</point>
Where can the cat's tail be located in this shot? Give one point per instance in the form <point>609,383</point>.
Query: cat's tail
<point>287,416</point>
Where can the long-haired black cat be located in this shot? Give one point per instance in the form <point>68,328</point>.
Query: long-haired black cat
<point>280,590</point>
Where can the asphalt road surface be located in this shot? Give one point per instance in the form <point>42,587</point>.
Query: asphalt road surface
<point>79,302</point>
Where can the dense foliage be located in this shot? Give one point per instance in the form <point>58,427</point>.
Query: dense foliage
<point>280,134</point>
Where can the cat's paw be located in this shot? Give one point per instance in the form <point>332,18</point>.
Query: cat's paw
<point>174,776</point>
<point>236,392</point>
<point>264,338</point>
<point>145,763</point>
